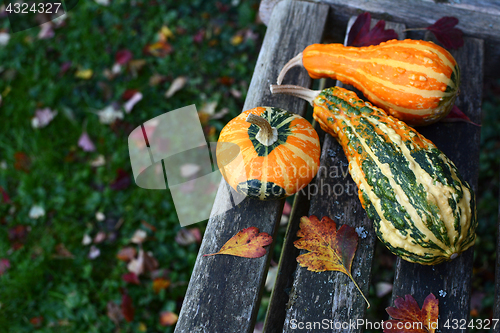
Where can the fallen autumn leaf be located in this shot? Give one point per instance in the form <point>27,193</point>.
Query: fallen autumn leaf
<point>330,249</point>
<point>414,320</point>
<point>247,243</point>
<point>361,35</point>
<point>168,318</point>
<point>176,85</point>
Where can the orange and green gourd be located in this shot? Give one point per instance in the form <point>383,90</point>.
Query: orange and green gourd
<point>422,209</point>
<point>268,153</point>
<point>413,80</point>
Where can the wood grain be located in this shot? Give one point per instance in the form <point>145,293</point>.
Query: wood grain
<point>496,306</point>
<point>451,282</point>
<point>224,291</point>
<point>332,296</point>
<point>478,18</point>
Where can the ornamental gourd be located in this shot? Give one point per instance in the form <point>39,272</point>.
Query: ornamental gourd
<point>413,80</point>
<point>421,207</point>
<point>277,153</point>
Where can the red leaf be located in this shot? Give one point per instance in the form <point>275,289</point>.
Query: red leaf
<point>128,310</point>
<point>5,196</point>
<point>361,35</point>
<point>65,66</point>
<point>4,265</point>
<point>123,56</point>
<point>226,80</point>
<point>198,38</point>
<point>446,33</point>
<point>121,182</point>
<point>360,27</point>
<point>408,318</point>
<point>456,115</point>
<point>131,278</point>
<point>222,7</point>
<point>18,233</point>
<point>22,162</point>
<point>36,321</point>
<point>129,93</point>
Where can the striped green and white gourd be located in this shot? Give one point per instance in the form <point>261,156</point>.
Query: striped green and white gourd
<point>422,209</point>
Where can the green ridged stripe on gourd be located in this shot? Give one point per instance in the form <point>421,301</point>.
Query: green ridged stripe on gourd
<point>422,209</point>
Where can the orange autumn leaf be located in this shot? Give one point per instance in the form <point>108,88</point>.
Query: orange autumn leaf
<point>330,249</point>
<point>159,284</point>
<point>408,318</point>
<point>248,243</point>
<point>168,318</point>
<point>127,253</point>
<point>158,49</point>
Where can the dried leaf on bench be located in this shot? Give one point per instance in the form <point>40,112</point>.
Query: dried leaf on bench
<point>330,249</point>
<point>446,33</point>
<point>248,243</point>
<point>408,315</point>
<point>361,35</point>
<point>456,115</point>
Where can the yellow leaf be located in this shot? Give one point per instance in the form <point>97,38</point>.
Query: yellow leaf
<point>248,243</point>
<point>142,327</point>
<point>159,284</point>
<point>165,33</point>
<point>6,91</point>
<point>84,74</point>
<point>330,249</point>
<point>237,40</point>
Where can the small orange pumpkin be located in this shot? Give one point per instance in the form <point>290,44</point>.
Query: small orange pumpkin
<point>278,153</point>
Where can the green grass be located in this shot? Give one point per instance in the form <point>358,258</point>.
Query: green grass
<point>71,294</point>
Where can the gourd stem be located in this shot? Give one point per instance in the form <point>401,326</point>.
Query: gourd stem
<point>295,61</point>
<point>297,91</point>
<point>267,134</point>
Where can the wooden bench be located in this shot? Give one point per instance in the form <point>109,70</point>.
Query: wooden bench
<point>225,291</point>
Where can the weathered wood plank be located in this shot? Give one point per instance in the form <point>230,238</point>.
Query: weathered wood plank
<point>478,18</point>
<point>276,310</point>
<point>224,291</point>
<point>332,296</point>
<point>451,282</point>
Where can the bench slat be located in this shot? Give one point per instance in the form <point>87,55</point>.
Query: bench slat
<point>460,142</point>
<point>478,18</point>
<point>330,296</point>
<point>224,291</point>
<point>496,307</point>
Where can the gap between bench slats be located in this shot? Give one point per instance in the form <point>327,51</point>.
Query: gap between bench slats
<point>224,291</point>
<point>325,295</point>
<point>450,282</point>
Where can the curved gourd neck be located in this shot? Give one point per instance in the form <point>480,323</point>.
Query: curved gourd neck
<point>297,91</point>
<point>267,134</point>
